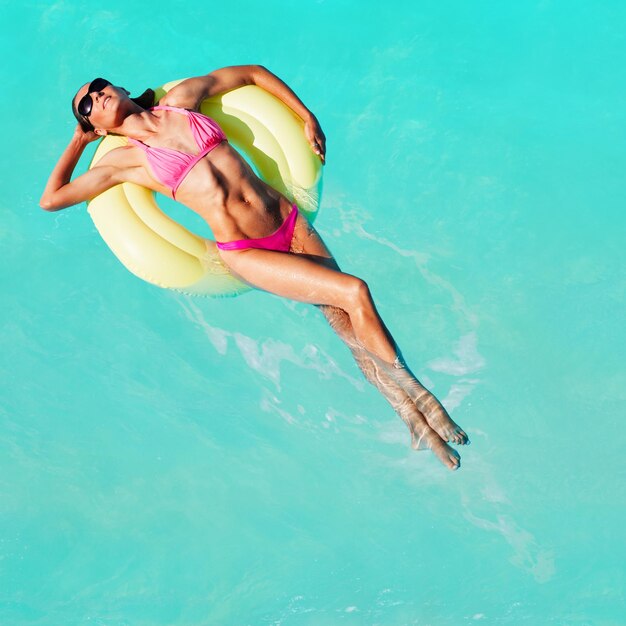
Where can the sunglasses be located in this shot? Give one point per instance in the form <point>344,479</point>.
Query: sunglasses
<point>85,105</point>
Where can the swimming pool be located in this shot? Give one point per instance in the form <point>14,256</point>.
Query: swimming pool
<point>180,461</point>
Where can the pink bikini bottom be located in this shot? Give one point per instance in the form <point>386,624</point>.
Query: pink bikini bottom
<point>279,240</point>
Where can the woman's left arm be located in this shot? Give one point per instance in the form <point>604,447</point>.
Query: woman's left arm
<point>312,130</point>
<point>191,92</point>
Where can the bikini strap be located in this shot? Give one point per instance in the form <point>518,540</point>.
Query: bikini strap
<point>168,108</point>
<point>141,144</point>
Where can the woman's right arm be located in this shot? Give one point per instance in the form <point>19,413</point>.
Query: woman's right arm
<point>60,193</point>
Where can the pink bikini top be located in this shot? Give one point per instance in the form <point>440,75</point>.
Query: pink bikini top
<point>171,166</point>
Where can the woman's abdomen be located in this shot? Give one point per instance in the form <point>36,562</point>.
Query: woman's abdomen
<point>234,201</point>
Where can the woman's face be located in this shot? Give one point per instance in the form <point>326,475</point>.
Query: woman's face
<point>108,108</point>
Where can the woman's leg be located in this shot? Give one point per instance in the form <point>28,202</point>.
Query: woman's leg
<point>422,434</point>
<point>387,379</point>
<point>297,277</point>
<point>311,275</point>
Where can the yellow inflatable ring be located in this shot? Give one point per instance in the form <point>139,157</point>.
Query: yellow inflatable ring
<point>161,251</point>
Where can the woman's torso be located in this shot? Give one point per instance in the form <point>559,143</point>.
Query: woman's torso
<point>221,186</point>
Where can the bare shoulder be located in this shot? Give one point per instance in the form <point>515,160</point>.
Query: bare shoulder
<point>189,93</point>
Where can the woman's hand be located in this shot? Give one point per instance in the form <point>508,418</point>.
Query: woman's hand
<point>315,137</point>
<point>85,137</point>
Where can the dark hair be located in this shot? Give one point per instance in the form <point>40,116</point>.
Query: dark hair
<point>145,101</point>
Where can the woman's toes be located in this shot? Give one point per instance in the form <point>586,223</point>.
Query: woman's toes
<point>460,437</point>
<point>456,438</point>
<point>453,464</point>
<point>455,460</point>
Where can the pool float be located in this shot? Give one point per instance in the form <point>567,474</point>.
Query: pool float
<point>161,251</point>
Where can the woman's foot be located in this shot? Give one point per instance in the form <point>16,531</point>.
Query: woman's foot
<point>429,439</point>
<point>436,416</point>
<point>423,437</point>
<point>439,420</point>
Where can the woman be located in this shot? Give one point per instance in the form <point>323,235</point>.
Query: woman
<point>261,236</point>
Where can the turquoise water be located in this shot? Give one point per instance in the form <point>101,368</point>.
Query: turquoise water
<point>174,461</point>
